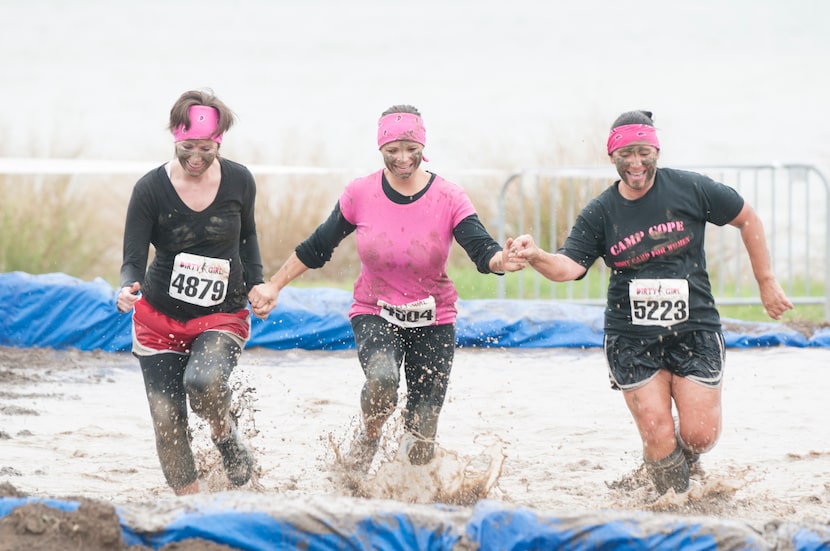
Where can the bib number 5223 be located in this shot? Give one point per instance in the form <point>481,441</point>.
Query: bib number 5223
<point>663,302</point>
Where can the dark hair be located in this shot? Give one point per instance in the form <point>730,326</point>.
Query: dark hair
<point>180,113</point>
<point>403,108</point>
<point>634,117</point>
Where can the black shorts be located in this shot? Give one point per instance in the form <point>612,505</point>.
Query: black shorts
<point>696,355</point>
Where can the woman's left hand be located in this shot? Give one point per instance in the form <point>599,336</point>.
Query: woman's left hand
<point>774,299</point>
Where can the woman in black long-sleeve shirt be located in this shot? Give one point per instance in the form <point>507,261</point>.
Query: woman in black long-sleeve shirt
<point>190,320</point>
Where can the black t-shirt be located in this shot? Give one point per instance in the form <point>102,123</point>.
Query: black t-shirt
<point>225,230</point>
<point>657,237</point>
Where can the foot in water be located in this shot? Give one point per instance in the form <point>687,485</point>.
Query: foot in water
<point>362,453</point>
<point>237,458</point>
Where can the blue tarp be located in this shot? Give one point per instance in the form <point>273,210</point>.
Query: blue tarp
<point>59,311</point>
<point>317,523</point>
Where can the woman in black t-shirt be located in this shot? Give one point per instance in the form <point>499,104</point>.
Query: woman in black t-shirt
<point>663,338</point>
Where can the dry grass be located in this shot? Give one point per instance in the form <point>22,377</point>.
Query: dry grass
<point>74,225</point>
<point>52,224</point>
<point>288,210</point>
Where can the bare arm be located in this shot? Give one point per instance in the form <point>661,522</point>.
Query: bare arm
<point>263,297</point>
<point>752,233</point>
<point>555,267</point>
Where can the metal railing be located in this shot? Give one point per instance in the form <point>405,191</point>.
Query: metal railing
<point>793,201</point>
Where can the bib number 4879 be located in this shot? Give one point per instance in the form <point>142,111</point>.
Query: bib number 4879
<point>199,288</point>
<point>199,280</point>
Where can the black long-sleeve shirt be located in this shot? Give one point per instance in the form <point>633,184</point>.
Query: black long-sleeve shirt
<point>226,229</point>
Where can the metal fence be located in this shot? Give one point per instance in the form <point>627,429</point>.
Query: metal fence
<point>792,200</point>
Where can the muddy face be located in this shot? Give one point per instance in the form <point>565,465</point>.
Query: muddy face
<point>402,158</point>
<point>636,164</point>
<point>196,156</point>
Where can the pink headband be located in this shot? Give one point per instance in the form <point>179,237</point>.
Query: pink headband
<point>401,126</point>
<point>627,134</point>
<point>203,123</point>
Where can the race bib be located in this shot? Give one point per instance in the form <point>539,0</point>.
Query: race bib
<point>663,302</point>
<point>415,314</point>
<point>199,280</point>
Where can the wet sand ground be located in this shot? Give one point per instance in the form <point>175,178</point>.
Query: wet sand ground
<point>545,423</point>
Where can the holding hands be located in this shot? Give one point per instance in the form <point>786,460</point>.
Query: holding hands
<point>554,266</point>
<point>263,299</point>
<point>504,261</point>
<point>523,249</point>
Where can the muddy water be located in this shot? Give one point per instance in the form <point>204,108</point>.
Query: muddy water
<point>535,428</point>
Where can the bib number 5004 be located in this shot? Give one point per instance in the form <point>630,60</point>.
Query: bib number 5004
<point>414,314</point>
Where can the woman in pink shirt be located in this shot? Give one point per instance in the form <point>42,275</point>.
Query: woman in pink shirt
<point>405,219</point>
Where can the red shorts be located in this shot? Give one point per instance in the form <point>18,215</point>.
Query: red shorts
<point>153,332</point>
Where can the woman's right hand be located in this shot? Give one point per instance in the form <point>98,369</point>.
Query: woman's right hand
<point>127,297</point>
<point>263,299</point>
<point>524,248</point>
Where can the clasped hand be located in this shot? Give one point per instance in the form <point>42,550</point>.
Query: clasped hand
<point>263,299</point>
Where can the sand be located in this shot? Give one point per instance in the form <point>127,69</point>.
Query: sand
<point>537,428</point>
